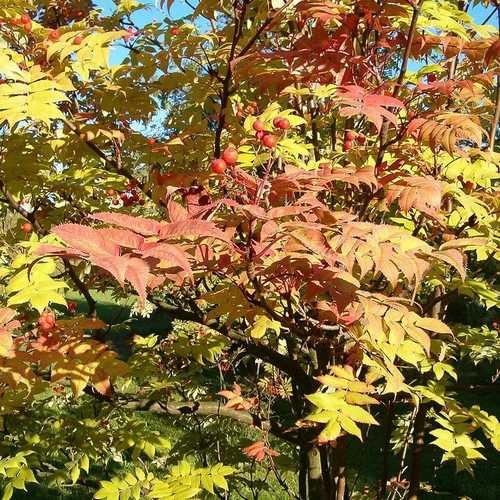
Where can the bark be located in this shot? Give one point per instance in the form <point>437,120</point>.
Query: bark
<point>385,451</point>
<point>303,475</point>
<point>417,451</point>
<point>317,486</point>
<point>340,468</point>
<point>212,409</point>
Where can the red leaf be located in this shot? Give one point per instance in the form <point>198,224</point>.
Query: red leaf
<point>137,275</point>
<point>141,225</point>
<point>258,451</point>
<point>197,228</point>
<point>360,101</point>
<point>86,239</point>
<point>176,212</point>
<point>172,254</point>
<point>422,193</point>
<point>493,52</point>
<point>122,237</point>
<point>116,266</point>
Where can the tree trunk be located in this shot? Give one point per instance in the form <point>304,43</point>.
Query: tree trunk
<point>417,451</point>
<point>340,467</point>
<point>317,486</point>
<point>386,451</point>
<point>303,475</point>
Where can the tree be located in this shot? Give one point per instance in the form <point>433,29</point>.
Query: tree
<point>318,195</point>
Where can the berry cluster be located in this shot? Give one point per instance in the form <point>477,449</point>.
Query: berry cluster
<point>350,137</point>
<point>250,109</point>
<point>128,197</point>
<point>267,139</point>
<point>229,157</point>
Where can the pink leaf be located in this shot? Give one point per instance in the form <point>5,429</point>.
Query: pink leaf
<point>197,228</point>
<point>141,225</point>
<point>176,212</point>
<point>116,266</point>
<point>86,239</point>
<point>173,255</point>
<point>122,237</point>
<point>137,275</point>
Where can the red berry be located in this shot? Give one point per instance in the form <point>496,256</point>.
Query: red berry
<point>27,227</point>
<point>174,31</point>
<point>230,156</point>
<point>258,125</point>
<point>72,305</point>
<point>277,120</point>
<point>25,19</point>
<point>349,135</point>
<point>361,139</point>
<point>260,134</point>
<point>116,201</point>
<point>78,40</point>
<point>124,196</point>
<point>14,21</point>
<point>270,141</point>
<point>284,124</point>
<point>54,35</point>
<point>431,77</point>
<point>28,27</point>
<point>151,141</point>
<point>347,145</point>
<point>110,192</point>
<point>494,324</point>
<point>218,166</point>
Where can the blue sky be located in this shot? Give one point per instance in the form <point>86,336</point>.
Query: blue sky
<point>180,9</point>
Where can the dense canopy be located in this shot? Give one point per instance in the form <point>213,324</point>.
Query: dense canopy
<point>248,249</point>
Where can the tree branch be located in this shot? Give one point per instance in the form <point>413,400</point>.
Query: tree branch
<point>211,409</point>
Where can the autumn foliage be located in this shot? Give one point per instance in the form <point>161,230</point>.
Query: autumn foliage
<point>306,189</point>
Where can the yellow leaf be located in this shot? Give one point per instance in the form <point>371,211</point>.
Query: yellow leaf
<point>262,324</point>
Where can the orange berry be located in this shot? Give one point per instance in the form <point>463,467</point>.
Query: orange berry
<point>27,227</point>
<point>218,166</point>
<point>258,125</point>
<point>270,141</point>
<point>230,156</point>
<point>54,35</point>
